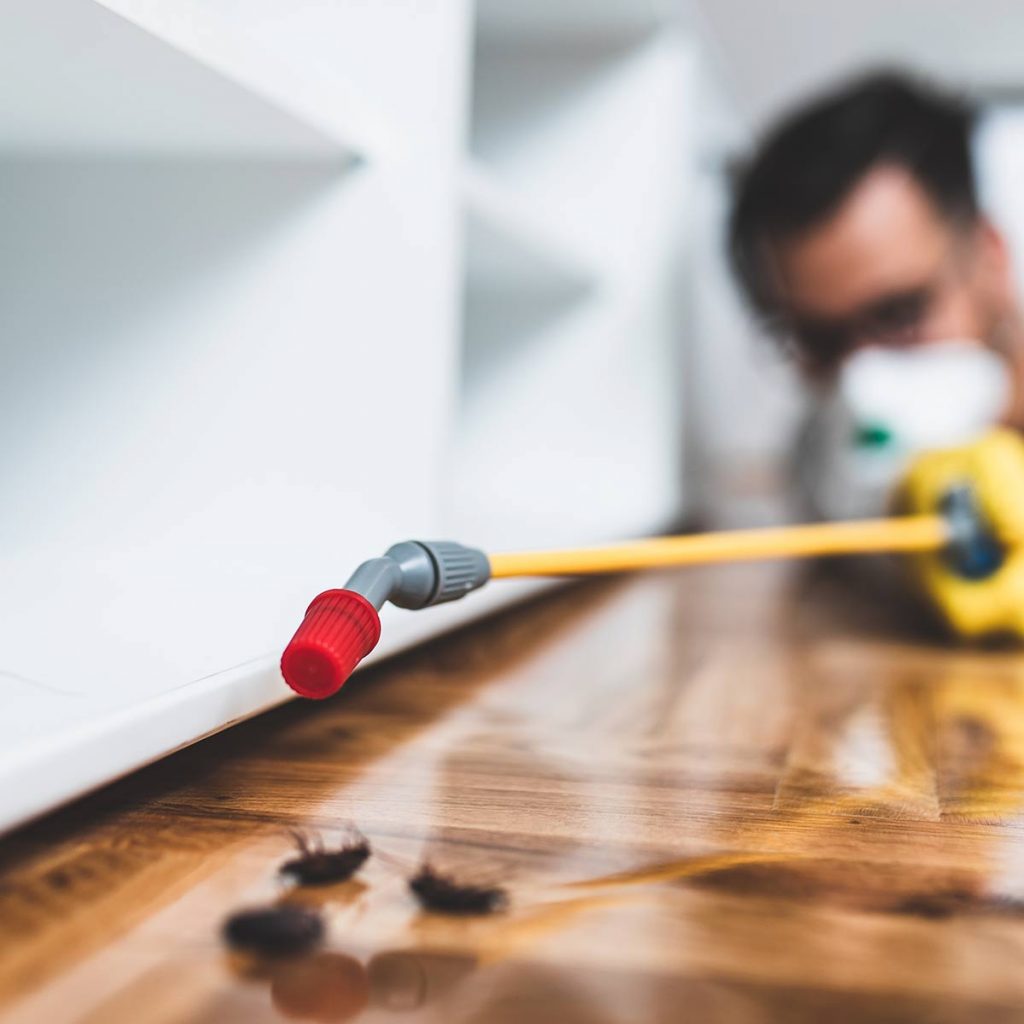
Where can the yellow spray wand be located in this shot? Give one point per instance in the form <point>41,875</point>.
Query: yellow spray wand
<point>906,534</point>
<point>964,505</point>
<point>342,626</point>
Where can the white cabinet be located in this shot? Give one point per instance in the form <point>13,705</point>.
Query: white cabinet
<point>569,425</point>
<point>283,283</point>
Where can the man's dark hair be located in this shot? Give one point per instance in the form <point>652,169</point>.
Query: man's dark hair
<point>807,165</point>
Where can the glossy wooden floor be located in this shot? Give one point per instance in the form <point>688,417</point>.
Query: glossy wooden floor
<point>723,795</point>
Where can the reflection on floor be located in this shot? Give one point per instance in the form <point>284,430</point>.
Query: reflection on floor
<point>731,794</point>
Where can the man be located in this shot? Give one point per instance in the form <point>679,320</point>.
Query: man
<point>857,234</point>
<point>856,227</point>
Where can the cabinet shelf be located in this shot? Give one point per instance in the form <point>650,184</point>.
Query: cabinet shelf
<point>582,19</point>
<point>120,78</point>
<point>509,248</point>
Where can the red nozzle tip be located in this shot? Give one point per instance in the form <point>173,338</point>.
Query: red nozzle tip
<point>340,629</point>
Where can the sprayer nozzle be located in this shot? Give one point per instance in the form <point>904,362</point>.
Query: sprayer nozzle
<point>340,628</point>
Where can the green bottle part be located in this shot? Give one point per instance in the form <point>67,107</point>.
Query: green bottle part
<point>872,435</point>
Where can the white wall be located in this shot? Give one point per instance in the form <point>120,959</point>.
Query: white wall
<point>744,400</point>
<point>999,152</point>
<point>772,54</point>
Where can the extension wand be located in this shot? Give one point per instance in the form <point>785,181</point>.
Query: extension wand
<point>342,626</point>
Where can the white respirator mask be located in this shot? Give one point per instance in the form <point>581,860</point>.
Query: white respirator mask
<point>888,405</point>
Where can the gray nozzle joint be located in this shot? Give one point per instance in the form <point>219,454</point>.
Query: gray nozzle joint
<point>416,574</point>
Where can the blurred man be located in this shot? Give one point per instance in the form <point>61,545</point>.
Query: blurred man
<point>857,235</point>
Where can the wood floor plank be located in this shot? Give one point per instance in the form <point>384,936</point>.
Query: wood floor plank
<point>729,794</point>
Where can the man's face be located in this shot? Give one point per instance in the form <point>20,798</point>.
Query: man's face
<point>887,268</point>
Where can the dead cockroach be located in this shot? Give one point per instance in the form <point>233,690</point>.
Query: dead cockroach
<point>444,894</point>
<point>318,865</point>
<point>276,931</point>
